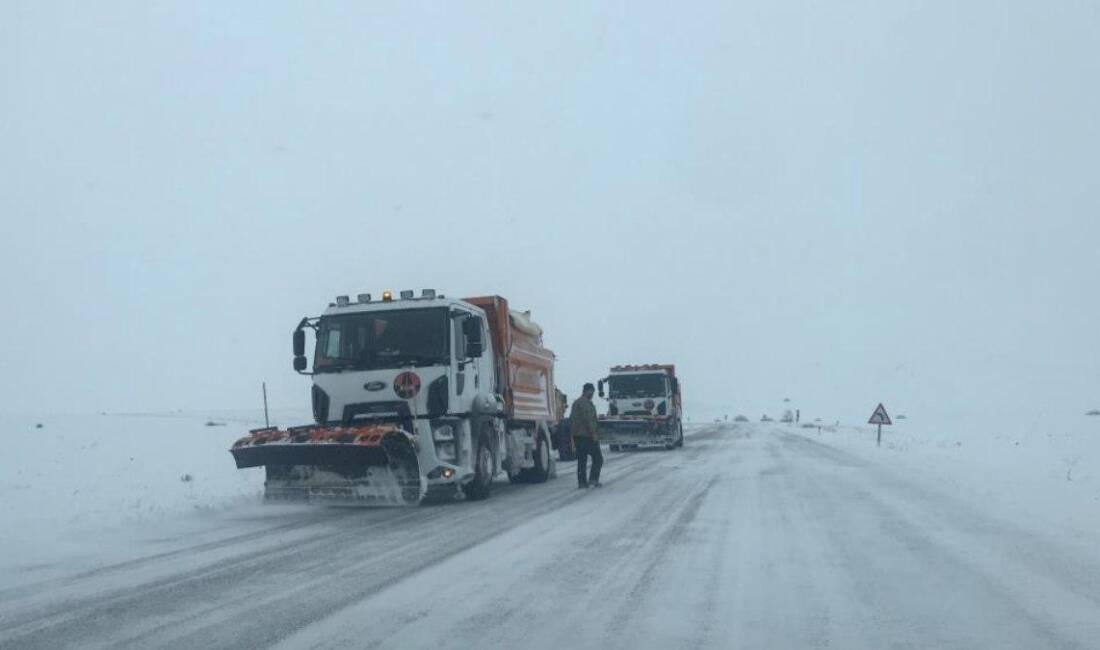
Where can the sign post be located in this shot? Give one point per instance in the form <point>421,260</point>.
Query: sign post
<point>880,418</point>
<point>267,422</point>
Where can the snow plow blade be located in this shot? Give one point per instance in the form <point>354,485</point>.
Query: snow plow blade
<point>625,432</point>
<point>354,465</point>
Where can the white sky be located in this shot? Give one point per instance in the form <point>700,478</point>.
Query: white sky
<point>839,202</point>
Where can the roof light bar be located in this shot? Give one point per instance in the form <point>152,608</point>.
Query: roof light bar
<point>342,301</point>
<point>428,293</point>
<point>364,298</point>
<point>408,294</point>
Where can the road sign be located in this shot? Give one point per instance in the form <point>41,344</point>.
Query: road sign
<point>880,416</point>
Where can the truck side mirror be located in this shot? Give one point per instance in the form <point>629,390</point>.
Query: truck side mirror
<point>600,385</point>
<point>675,386</point>
<point>475,344</point>
<point>299,349</point>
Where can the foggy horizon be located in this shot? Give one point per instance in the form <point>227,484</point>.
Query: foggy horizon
<point>843,206</point>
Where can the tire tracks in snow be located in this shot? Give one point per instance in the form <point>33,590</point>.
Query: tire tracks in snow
<point>912,558</point>
<point>241,591</point>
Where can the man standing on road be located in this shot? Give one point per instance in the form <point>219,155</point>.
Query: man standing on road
<point>584,428</point>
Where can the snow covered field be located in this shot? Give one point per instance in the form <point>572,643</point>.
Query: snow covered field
<point>752,536</point>
<point>1041,465</point>
<point>80,478</point>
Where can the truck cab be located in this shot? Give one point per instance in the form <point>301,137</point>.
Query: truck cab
<point>639,392</point>
<point>416,361</point>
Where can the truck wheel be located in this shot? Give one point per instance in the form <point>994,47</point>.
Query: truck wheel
<point>481,485</point>
<point>541,471</point>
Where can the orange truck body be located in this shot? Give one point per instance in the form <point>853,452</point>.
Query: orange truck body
<point>524,368</point>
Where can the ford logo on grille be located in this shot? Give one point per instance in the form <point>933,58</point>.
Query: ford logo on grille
<point>374,385</point>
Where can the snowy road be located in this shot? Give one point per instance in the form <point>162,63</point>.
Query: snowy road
<point>752,536</point>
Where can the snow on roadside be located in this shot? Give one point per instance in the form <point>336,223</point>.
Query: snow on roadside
<point>64,484</point>
<point>1040,468</point>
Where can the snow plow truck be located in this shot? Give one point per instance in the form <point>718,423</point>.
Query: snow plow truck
<point>644,407</point>
<point>413,397</point>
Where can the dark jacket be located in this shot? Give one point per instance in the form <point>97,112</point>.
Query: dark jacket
<point>582,419</point>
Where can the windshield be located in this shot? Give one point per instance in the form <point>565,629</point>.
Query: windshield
<point>384,339</point>
<point>652,385</point>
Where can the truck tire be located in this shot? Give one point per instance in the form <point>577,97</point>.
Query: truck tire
<point>541,471</point>
<point>480,487</point>
<point>565,442</point>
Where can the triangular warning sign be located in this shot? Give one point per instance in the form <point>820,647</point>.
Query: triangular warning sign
<point>880,416</point>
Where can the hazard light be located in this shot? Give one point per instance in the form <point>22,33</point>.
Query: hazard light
<point>387,296</point>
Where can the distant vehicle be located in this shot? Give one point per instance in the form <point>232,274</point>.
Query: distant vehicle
<point>901,416</point>
<point>765,418</point>
<point>644,407</point>
<point>411,396</point>
<point>1093,412</point>
<point>740,418</point>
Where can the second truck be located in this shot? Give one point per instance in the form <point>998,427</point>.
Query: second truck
<point>644,407</point>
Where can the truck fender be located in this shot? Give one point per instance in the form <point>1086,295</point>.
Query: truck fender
<point>487,404</point>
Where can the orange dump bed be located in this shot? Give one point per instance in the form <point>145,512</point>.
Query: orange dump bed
<point>525,369</point>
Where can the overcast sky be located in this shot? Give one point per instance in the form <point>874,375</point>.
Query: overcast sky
<point>843,203</point>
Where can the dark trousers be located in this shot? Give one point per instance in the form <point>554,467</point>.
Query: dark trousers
<point>588,447</point>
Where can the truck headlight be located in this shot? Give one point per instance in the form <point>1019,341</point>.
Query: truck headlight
<point>446,443</point>
<point>445,451</point>
<point>443,432</point>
